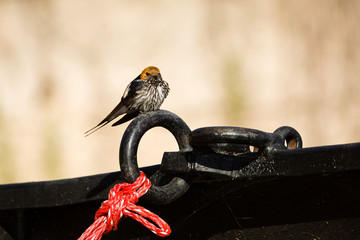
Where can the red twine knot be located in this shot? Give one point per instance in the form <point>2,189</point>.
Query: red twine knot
<point>121,202</point>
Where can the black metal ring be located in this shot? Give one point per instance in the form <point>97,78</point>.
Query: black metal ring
<point>129,146</point>
<point>237,135</point>
<point>288,137</point>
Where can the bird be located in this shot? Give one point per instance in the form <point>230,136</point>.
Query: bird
<point>145,93</point>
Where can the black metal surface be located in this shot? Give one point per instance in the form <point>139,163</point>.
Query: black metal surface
<point>297,162</point>
<point>57,193</point>
<point>279,190</point>
<point>325,206</point>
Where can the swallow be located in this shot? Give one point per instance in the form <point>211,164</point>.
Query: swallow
<point>145,93</point>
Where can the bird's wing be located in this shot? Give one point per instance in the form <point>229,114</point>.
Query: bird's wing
<point>132,90</point>
<point>126,118</point>
<point>122,107</point>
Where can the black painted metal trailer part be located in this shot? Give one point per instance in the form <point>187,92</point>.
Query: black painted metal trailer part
<point>215,187</point>
<point>305,202</point>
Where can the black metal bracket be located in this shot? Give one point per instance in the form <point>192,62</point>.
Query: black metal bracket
<point>280,163</point>
<point>216,150</point>
<point>225,152</point>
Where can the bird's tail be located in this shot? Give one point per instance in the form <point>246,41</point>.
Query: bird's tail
<point>126,118</point>
<point>97,127</point>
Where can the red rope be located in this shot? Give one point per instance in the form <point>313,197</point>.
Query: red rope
<point>121,202</point>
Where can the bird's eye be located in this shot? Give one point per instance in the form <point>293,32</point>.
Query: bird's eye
<point>148,74</point>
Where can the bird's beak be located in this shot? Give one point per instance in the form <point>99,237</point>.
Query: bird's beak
<point>157,78</point>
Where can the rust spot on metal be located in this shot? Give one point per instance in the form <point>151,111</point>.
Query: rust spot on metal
<point>292,144</point>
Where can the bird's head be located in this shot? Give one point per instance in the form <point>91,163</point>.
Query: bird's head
<point>151,74</point>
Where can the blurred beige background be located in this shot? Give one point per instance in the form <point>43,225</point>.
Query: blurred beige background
<point>64,65</point>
